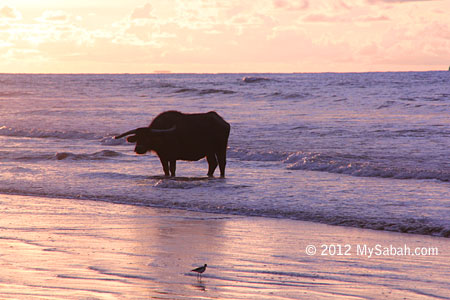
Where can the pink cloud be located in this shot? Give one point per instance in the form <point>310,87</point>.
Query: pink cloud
<point>9,13</point>
<point>370,50</point>
<point>53,16</point>
<point>395,1</point>
<point>291,5</point>
<point>142,12</point>
<point>320,18</point>
<point>375,19</point>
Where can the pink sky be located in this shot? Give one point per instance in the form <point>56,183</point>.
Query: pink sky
<point>103,36</point>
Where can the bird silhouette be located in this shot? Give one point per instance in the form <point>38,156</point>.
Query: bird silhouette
<point>199,270</point>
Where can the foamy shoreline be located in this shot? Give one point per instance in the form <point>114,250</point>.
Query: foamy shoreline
<point>78,249</point>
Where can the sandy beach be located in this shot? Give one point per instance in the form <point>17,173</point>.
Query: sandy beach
<point>80,249</point>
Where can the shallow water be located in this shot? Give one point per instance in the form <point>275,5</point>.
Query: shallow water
<point>369,150</point>
<point>78,249</point>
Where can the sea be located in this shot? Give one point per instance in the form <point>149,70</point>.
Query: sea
<point>366,150</point>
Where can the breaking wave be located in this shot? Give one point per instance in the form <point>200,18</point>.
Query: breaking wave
<point>111,141</point>
<point>26,156</point>
<point>412,225</point>
<point>104,154</point>
<point>36,133</point>
<point>353,165</point>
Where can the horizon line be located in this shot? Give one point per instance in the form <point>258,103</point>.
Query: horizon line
<point>208,73</point>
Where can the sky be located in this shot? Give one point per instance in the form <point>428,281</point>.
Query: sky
<point>223,36</point>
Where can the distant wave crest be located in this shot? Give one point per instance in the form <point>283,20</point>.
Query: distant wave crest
<point>254,79</point>
<point>202,92</point>
<point>13,94</point>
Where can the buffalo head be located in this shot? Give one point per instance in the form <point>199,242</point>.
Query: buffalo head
<point>146,138</point>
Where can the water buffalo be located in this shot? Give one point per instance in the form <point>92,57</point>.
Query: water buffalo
<point>174,135</point>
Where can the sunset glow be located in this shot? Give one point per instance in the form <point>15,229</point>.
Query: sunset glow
<point>139,36</point>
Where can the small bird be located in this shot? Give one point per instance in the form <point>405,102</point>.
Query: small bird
<point>200,270</point>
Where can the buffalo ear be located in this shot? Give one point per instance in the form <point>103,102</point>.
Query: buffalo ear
<point>132,139</point>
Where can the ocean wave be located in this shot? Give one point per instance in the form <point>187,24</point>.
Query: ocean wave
<point>21,170</point>
<point>386,104</point>
<point>26,156</point>
<point>353,165</point>
<point>216,91</point>
<point>165,184</point>
<point>185,90</point>
<point>360,167</point>
<point>111,141</point>
<point>254,79</point>
<point>113,175</point>
<point>290,96</point>
<point>420,132</point>
<point>100,155</point>
<point>411,225</point>
<point>255,155</point>
<point>13,94</point>
<point>202,92</point>
<point>36,133</point>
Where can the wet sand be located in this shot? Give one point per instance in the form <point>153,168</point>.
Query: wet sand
<point>79,249</point>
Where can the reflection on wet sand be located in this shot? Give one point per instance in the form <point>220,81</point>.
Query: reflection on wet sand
<point>72,249</point>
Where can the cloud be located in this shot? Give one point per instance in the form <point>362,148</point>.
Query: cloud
<point>291,5</point>
<point>53,16</point>
<point>322,18</point>
<point>376,19</point>
<point>144,12</point>
<point>217,35</point>
<point>396,1</point>
<point>10,13</point>
<point>369,50</point>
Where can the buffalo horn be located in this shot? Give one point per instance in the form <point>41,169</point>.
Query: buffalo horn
<point>172,129</point>
<point>125,134</point>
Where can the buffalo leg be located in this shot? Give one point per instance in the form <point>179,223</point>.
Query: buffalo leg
<point>222,158</point>
<point>165,165</point>
<point>173,166</point>
<point>212,163</point>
